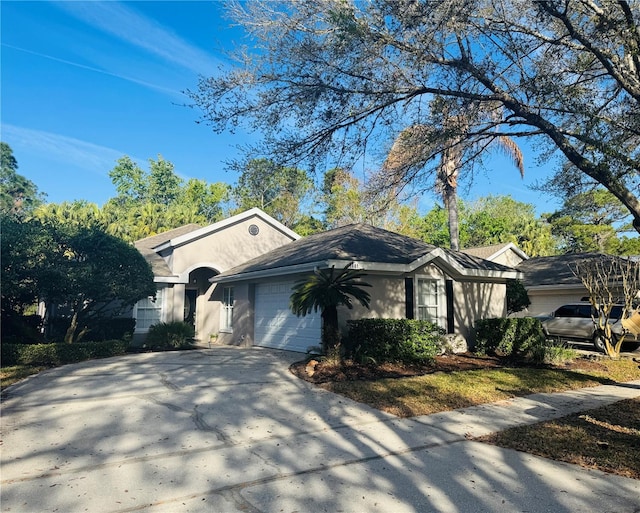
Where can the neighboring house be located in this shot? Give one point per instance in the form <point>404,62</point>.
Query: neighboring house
<point>506,254</point>
<point>550,282</point>
<point>409,278</point>
<point>184,259</point>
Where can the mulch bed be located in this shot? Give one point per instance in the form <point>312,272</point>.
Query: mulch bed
<point>320,371</point>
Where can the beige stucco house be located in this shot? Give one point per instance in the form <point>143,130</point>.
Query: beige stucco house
<point>184,259</point>
<point>409,278</point>
<point>232,280</point>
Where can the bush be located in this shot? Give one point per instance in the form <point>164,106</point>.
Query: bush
<point>21,329</point>
<point>170,335</point>
<point>59,354</point>
<point>100,329</point>
<point>554,353</point>
<point>393,340</point>
<point>509,337</point>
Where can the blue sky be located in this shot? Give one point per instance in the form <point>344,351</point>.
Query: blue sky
<point>84,83</point>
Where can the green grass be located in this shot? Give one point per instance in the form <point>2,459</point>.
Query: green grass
<point>606,438</point>
<point>432,393</point>
<point>15,373</point>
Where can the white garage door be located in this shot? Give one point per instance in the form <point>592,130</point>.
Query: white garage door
<point>277,327</point>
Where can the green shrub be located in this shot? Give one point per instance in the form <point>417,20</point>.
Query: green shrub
<point>21,329</point>
<point>99,329</point>
<point>170,335</point>
<point>59,354</point>
<point>553,353</point>
<point>509,336</point>
<point>393,340</point>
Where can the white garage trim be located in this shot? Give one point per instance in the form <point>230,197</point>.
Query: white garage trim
<point>276,326</point>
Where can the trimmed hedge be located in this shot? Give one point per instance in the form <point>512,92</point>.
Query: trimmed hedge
<point>509,336</point>
<point>59,354</point>
<point>406,341</point>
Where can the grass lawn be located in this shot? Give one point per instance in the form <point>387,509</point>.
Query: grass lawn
<point>607,438</point>
<point>442,391</point>
<point>14,373</point>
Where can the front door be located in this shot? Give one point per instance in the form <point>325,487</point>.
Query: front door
<point>190,296</point>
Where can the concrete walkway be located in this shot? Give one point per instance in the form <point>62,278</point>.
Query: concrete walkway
<point>231,430</point>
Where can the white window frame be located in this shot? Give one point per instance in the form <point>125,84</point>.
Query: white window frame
<point>440,307</point>
<point>145,305</point>
<point>226,310</point>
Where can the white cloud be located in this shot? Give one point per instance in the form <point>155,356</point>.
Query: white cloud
<point>160,88</point>
<point>68,150</point>
<point>129,25</point>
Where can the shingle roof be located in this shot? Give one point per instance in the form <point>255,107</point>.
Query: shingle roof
<point>147,247</point>
<point>553,270</point>
<point>359,243</point>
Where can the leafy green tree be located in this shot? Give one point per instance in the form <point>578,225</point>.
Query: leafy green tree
<point>25,246</point>
<point>94,274</point>
<point>151,202</point>
<point>279,191</point>
<point>490,220</point>
<point>129,180</point>
<point>349,200</point>
<point>326,290</point>
<point>329,79</point>
<point>18,195</point>
<point>501,219</point>
<point>591,222</point>
<point>77,213</point>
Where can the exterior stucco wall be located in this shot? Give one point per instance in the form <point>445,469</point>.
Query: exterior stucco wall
<point>213,252</point>
<point>227,247</point>
<point>476,300</point>
<point>243,314</point>
<point>509,258</point>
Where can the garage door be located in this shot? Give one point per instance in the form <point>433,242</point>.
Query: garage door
<point>276,326</point>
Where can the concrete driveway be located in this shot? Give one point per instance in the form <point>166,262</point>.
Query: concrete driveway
<point>231,430</point>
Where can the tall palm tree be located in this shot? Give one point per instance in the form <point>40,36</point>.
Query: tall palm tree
<point>325,290</point>
<point>416,145</point>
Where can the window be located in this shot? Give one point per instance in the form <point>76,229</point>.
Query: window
<point>149,311</point>
<point>226,312</point>
<point>428,300</point>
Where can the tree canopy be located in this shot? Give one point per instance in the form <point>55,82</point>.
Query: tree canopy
<point>18,194</point>
<point>330,79</point>
<point>84,268</point>
<point>277,190</point>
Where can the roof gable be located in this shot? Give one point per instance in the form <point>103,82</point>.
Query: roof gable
<point>493,251</point>
<point>190,236</point>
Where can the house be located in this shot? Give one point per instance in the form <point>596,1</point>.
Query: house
<point>506,254</point>
<point>183,261</point>
<point>551,282</point>
<point>409,279</point>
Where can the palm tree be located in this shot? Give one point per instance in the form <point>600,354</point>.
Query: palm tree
<point>325,290</point>
<point>418,144</point>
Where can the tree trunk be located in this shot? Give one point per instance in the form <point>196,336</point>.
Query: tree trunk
<point>448,178</point>
<point>69,336</point>
<point>330,329</point>
<point>450,197</point>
